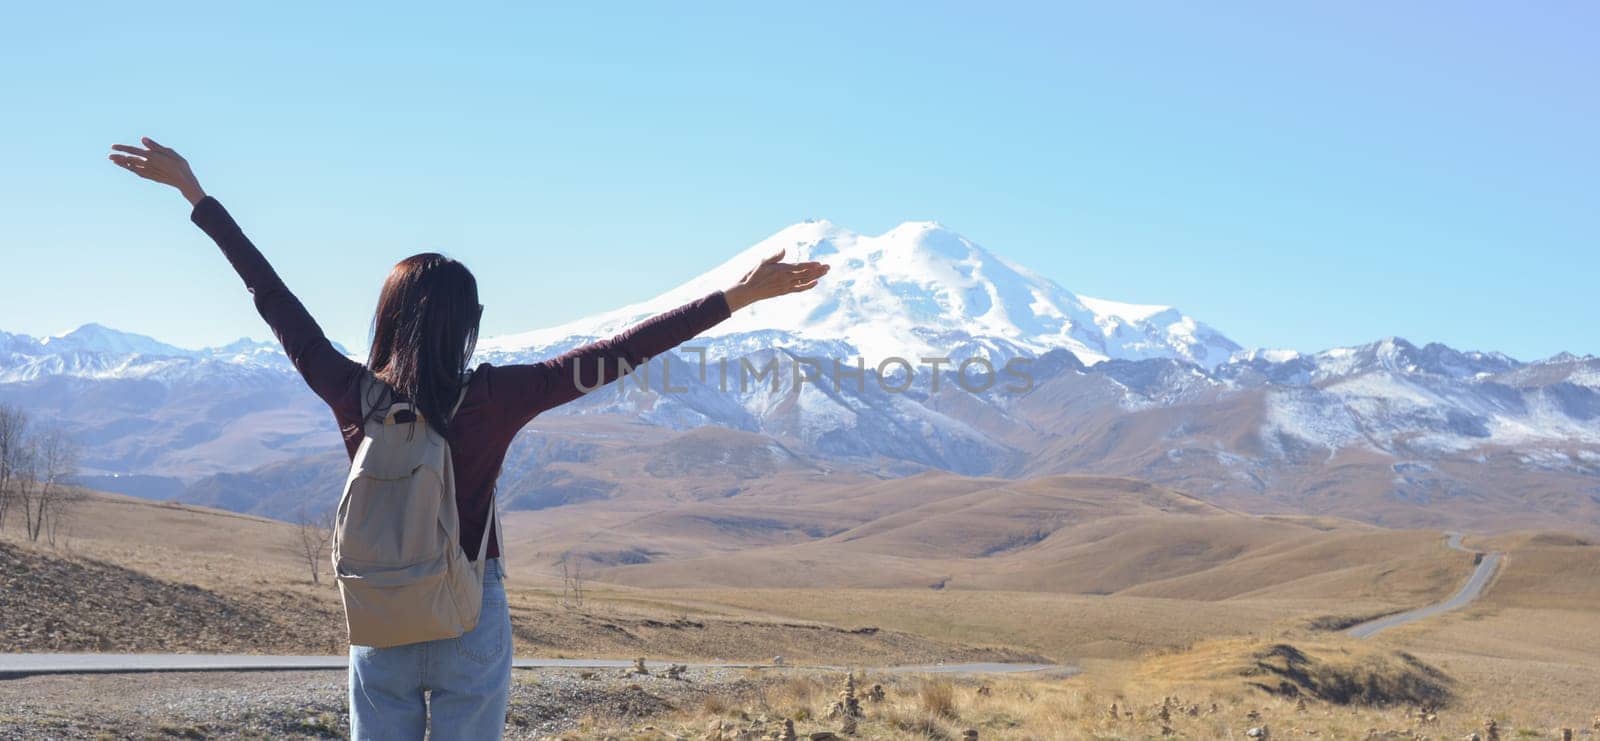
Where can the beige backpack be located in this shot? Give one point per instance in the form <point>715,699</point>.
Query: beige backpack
<point>397,541</point>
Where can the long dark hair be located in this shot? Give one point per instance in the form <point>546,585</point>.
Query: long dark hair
<point>424,332</point>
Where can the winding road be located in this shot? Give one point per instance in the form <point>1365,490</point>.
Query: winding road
<point>1487,566</point>
<point>26,665</point>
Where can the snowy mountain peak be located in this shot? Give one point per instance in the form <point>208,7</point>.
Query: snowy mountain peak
<point>812,228</point>
<point>917,290</point>
<point>98,338</point>
<point>248,351</point>
<point>1266,355</point>
<point>96,351</point>
<point>242,345</point>
<point>1396,355</point>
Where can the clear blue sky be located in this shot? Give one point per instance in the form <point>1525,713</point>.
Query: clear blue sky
<point>1298,175</point>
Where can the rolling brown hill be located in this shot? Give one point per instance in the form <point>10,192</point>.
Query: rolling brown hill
<point>129,574</point>
<point>1102,571</point>
<point>1066,534</point>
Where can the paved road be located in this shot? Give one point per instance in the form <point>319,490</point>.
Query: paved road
<point>982,668</point>
<point>1468,592</point>
<point>23,665</point>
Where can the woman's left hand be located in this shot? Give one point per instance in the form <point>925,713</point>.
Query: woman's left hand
<point>771,279</point>
<point>161,164</point>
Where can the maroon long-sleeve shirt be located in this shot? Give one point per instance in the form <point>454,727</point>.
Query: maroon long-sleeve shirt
<point>500,399</point>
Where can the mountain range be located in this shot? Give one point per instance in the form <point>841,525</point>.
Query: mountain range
<point>1055,382</point>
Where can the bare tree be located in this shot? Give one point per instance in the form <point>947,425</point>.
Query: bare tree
<point>25,484</point>
<point>49,463</point>
<point>313,535</point>
<point>572,581</point>
<point>58,455</point>
<point>13,426</point>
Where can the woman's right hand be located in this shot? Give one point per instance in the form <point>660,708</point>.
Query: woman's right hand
<point>161,164</point>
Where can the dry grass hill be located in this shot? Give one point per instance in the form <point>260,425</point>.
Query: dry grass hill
<point>137,575</point>
<point>1059,534</point>
<point>1150,591</point>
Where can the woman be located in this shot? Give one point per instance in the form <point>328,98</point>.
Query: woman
<point>423,335</point>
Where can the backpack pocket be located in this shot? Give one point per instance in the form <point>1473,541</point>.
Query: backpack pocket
<point>395,605</point>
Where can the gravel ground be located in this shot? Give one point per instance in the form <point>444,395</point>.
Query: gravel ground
<point>276,705</point>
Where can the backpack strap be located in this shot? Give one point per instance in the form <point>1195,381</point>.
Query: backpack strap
<point>492,524</point>
<point>466,383</point>
<point>483,543</point>
<point>499,533</point>
<point>375,395</point>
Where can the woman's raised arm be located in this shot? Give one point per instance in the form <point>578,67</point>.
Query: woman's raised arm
<point>334,377</point>
<point>534,388</point>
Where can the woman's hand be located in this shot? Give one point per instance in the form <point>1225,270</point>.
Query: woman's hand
<point>160,164</point>
<point>772,278</point>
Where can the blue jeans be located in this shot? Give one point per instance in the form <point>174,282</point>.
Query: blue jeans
<point>469,679</point>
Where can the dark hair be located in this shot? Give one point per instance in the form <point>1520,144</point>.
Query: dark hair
<point>424,333</point>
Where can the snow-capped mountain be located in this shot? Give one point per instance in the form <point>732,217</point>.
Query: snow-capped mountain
<point>1388,431</point>
<point>97,338</point>
<point>1395,397</point>
<point>918,290</point>
<point>97,351</point>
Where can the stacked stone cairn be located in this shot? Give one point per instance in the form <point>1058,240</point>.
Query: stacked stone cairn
<point>847,709</point>
<point>847,706</point>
